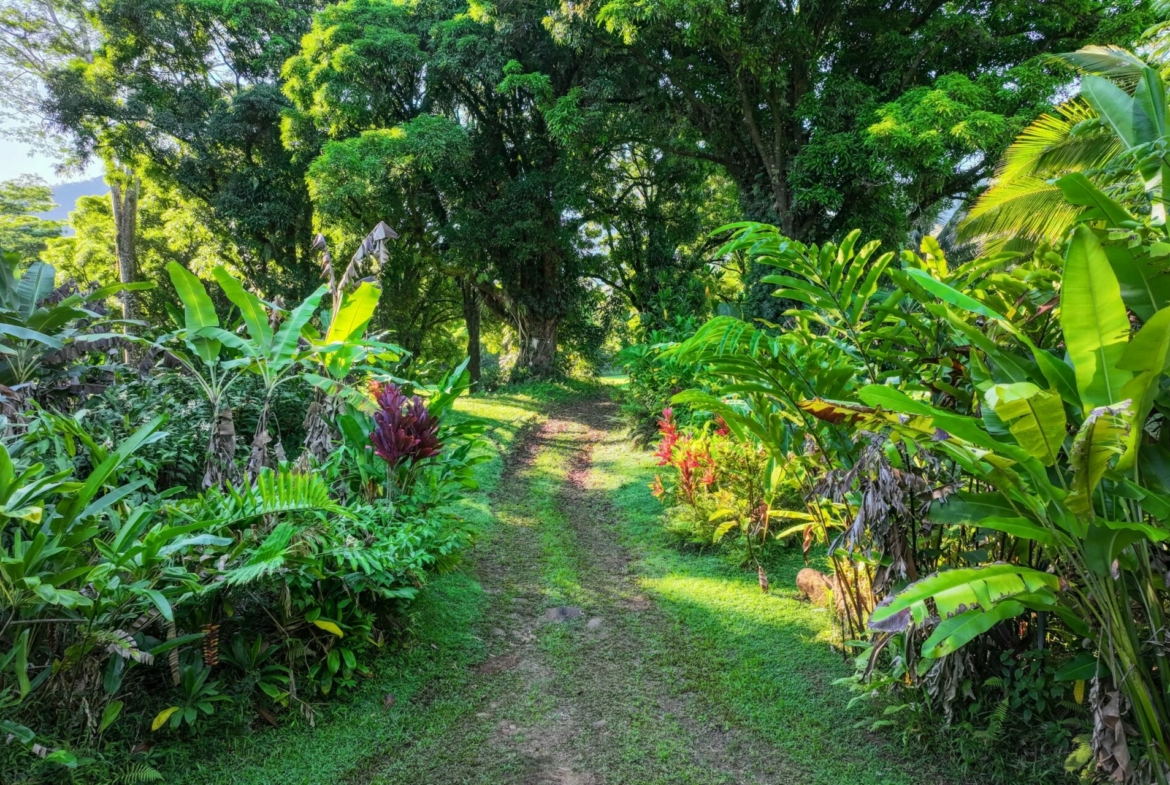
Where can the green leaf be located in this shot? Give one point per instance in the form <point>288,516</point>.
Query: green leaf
<point>330,627</point>
<point>951,295</point>
<point>109,715</point>
<point>1113,104</point>
<point>1034,416</point>
<point>1149,106</point>
<point>26,334</point>
<point>1078,190</point>
<point>1082,667</point>
<point>35,285</point>
<point>954,633</point>
<point>252,311</point>
<point>1094,321</point>
<point>1150,348</point>
<point>198,310</point>
<point>958,591</point>
<point>284,344</point>
<point>968,509</point>
<point>1101,437</point>
<point>1020,527</point>
<point>1145,287</point>
<point>357,308</point>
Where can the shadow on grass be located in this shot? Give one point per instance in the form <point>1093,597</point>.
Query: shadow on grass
<point>765,660</point>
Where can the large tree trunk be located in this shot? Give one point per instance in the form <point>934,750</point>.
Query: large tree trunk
<point>538,349</point>
<point>471,316</point>
<point>125,201</point>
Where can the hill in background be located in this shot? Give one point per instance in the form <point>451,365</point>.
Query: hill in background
<point>67,194</point>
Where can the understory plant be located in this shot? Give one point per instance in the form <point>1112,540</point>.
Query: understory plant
<point>136,610</point>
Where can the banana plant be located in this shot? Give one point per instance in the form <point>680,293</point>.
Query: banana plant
<point>36,333</point>
<point>273,354</point>
<point>1092,505</point>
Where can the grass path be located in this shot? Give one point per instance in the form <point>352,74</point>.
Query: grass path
<point>577,648</point>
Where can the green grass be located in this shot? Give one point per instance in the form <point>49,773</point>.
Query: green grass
<point>716,682</point>
<point>763,660</point>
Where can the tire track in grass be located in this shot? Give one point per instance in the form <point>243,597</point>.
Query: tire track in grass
<point>581,688</point>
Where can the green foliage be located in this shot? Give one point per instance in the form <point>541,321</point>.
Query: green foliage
<point>846,118</point>
<point>153,92</point>
<point>1002,439</point>
<point>47,330</point>
<point>1109,137</point>
<point>21,231</point>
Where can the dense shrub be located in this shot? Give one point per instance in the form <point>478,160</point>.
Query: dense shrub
<point>147,596</point>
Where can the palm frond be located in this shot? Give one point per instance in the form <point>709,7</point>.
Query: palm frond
<point>1031,209</point>
<point>1111,62</point>
<point>1051,145</point>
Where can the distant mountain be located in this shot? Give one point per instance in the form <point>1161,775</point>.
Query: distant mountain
<point>67,194</point>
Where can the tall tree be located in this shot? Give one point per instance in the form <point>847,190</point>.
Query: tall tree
<point>840,114</point>
<point>191,88</point>
<point>423,81</point>
<point>38,37</point>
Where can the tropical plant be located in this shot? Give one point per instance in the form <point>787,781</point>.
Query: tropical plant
<point>47,329</point>
<point>1113,133</point>
<point>273,354</point>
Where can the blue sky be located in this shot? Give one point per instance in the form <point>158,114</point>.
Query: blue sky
<point>15,160</point>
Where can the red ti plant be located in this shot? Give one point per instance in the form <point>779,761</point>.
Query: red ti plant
<point>405,433</point>
<point>669,430</point>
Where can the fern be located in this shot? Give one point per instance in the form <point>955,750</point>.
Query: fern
<point>266,559</point>
<point>272,493</point>
<point>136,773</point>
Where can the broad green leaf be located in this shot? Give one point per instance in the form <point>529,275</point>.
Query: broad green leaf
<point>1148,356</point>
<point>1020,527</point>
<point>252,311</point>
<point>1150,348</point>
<point>1034,416</point>
<point>27,334</point>
<point>1078,190</point>
<point>1113,104</point>
<point>1084,665</point>
<point>198,310</point>
<point>966,428</point>
<point>1101,437</point>
<point>109,715</point>
<point>35,285</point>
<point>958,591</point>
<point>1105,541</point>
<point>1094,321</point>
<point>357,308</point>
<point>1145,287</point>
<point>954,633</point>
<point>284,344</point>
<point>1149,106</point>
<point>968,509</point>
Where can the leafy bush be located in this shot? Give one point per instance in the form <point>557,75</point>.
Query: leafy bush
<point>136,608</point>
